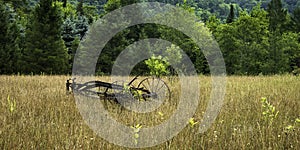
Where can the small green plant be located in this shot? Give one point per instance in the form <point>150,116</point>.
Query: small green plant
<point>11,104</point>
<point>291,128</point>
<point>137,94</point>
<point>296,71</point>
<point>192,122</point>
<point>136,130</point>
<point>269,111</point>
<point>161,115</point>
<point>157,65</point>
<point>126,88</point>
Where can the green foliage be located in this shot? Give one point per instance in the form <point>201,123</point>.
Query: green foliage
<point>157,66</point>
<point>244,43</point>
<point>45,50</point>
<point>187,44</point>
<point>10,51</point>
<point>192,122</point>
<point>128,2</point>
<point>212,7</point>
<point>251,38</point>
<point>296,19</point>
<point>269,112</point>
<point>112,5</point>
<point>72,50</point>
<point>278,16</point>
<point>11,104</point>
<point>250,46</point>
<point>292,128</point>
<point>81,25</point>
<point>79,8</point>
<point>69,32</point>
<point>90,12</point>
<point>231,52</point>
<point>187,5</point>
<point>18,5</point>
<point>290,47</point>
<point>257,42</point>
<point>296,71</point>
<point>136,130</point>
<point>71,36</point>
<point>212,23</point>
<point>173,55</point>
<point>67,11</point>
<point>231,15</point>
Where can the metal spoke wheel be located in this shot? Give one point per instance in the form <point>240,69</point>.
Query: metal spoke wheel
<point>154,89</point>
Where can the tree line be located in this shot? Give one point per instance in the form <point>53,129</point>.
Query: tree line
<point>43,36</point>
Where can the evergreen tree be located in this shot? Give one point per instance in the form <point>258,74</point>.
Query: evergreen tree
<point>112,5</point>
<point>45,51</point>
<point>4,38</point>
<point>128,2</point>
<point>296,20</point>
<point>79,8</point>
<point>18,5</point>
<point>81,26</point>
<point>71,37</point>
<point>121,40</point>
<point>230,17</point>
<point>69,32</point>
<point>277,16</point>
<point>279,24</point>
<point>9,39</point>
<point>72,51</point>
<point>228,45</point>
<point>15,47</point>
<point>64,3</point>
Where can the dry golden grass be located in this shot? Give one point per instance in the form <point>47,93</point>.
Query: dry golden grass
<point>45,117</point>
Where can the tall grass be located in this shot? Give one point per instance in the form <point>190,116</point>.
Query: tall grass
<point>36,113</point>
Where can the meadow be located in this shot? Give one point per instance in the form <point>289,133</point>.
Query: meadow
<point>37,113</point>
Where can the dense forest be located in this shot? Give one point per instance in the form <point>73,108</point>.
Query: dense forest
<point>255,36</point>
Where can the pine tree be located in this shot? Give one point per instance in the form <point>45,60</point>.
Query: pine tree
<point>296,20</point>
<point>9,40</point>
<point>81,25</point>
<point>65,3</point>
<point>69,32</point>
<point>279,24</point>
<point>79,8</point>
<point>230,17</point>
<point>277,16</point>
<point>4,38</point>
<point>128,2</point>
<point>111,5</point>
<point>120,41</point>
<point>71,36</point>
<point>45,51</point>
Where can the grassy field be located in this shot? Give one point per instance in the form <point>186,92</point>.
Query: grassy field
<point>36,113</point>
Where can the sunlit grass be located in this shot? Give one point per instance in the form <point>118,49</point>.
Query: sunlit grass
<point>36,113</point>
